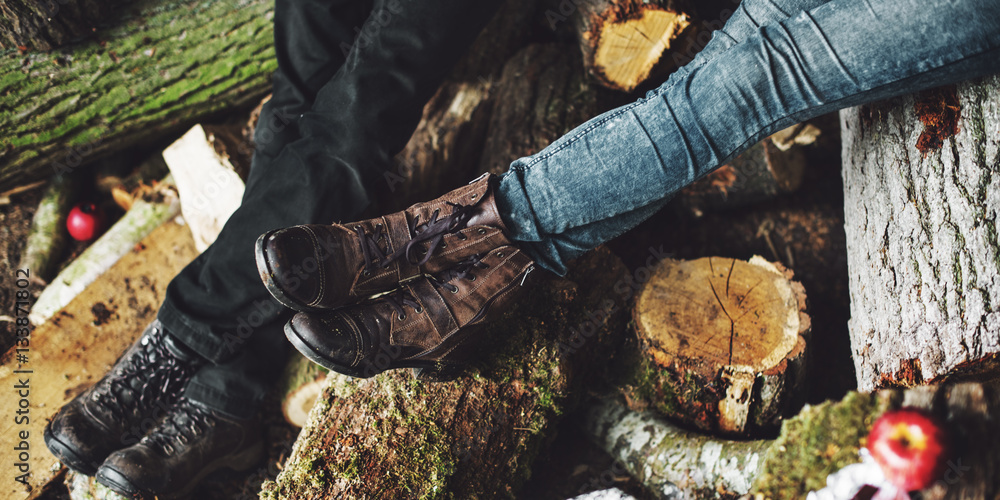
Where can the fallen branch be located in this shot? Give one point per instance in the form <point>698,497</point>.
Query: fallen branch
<point>47,236</point>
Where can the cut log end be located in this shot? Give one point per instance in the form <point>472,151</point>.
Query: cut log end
<point>724,339</point>
<point>303,382</point>
<point>627,50</point>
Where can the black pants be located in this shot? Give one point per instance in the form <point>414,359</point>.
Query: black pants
<point>353,77</point>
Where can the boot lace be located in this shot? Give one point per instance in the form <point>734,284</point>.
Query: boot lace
<point>431,231</point>
<point>152,374</point>
<point>186,422</point>
<point>443,280</point>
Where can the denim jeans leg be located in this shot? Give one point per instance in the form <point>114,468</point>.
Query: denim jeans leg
<point>611,172</point>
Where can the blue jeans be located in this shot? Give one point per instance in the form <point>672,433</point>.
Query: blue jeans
<point>775,63</point>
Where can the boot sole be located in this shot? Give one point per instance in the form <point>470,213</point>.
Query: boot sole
<point>241,462</point>
<point>67,455</point>
<point>429,371</point>
<point>267,276</point>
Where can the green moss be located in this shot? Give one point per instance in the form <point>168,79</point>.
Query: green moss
<point>819,441</point>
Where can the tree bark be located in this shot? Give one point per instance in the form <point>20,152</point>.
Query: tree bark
<point>44,25</point>
<point>921,199</point>
<point>392,436</point>
<point>542,95</point>
<point>724,344</point>
<point>622,41</point>
<point>672,462</point>
<point>168,64</point>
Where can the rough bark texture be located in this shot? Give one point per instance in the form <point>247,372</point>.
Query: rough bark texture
<point>165,65</point>
<point>760,173</point>
<point>824,438</point>
<point>672,462</point>
<point>542,94</point>
<point>74,349</point>
<point>622,41</point>
<point>724,344</point>
<point>48,235</point>
<point>922,191</point>
<point>44,25</point>
<point>392,436</point>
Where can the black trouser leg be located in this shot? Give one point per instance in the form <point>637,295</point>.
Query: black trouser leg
<point>317,170</point>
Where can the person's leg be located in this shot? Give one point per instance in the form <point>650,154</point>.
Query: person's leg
<point>617,169</point>
<point>359,118</point>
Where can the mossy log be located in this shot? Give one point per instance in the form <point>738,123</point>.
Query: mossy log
<point>145,215</point>
<point>724,344</point>
<point>824,438</point>
<point>669,461</point>
<point>44,25</point>
<point>393,436</point>
<point>769,168</point>
<point>47,236</point>
<point>301,384</point>
<point>622,41</point>
<point>165,65</point>
<point>542,94</point>
<point>920,208</point>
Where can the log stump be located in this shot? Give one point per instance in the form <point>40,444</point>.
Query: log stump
<point>724,343</point>
<point>622,41</point>
<point>921,189</point>
<point>301,384</point>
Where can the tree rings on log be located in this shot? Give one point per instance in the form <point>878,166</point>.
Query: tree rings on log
<point>622,41</point>
<point>724,342</point>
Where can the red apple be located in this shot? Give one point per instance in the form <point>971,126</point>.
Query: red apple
<point>84,221</point>
<point>911,446</point>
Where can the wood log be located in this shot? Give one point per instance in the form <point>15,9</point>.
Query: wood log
<point>301,383</point>
<point>102,323</point>
<point>724,344</point>
<point>669,461</point>
<point>209,188</point>
<point>35,25</point>
<point>47,236</point>
<point>770,168</point>
<point>827,437</point>
<point>166,65</point>
<point>392,436</point>
<point>920,198</point>
<point>542,95</point>
<point>144,216</point>
<point>622,41</point>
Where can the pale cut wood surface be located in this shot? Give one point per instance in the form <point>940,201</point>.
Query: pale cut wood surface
<point>79,344</point>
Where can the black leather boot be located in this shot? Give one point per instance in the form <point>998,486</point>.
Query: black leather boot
<point>125,404</point>
<point>191,443</point>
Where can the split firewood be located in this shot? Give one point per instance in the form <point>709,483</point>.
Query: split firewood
<point>210,190</point>
<point>920,204</point>
<point>301,383</point>
<point>81,342</point>
<point>47,236</point>
<point>125,187</point>
<point>542,94</point>
<point>669,461</point>
<point>623,41</point>
<point>145,216</point>
<point>158,71</point>
<point>771,167</point>
<point>392,436</point>
<point>724,344</point>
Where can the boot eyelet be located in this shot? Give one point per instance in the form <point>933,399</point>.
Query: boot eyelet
<point>454,289</point>
<point>472,277</point>
<point>366,273</point>
<point>500,254</point>
<point>401,317</point>
<point>474,195</point>
<point>418,310</point>
<point>481,230</point>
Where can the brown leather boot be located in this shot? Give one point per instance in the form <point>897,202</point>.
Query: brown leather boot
<point>423,325</point>
<point>317,267</point>
<point>130,400</point>
<point>191,443</point>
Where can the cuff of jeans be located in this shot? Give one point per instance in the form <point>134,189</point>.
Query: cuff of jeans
<point>235,404</point>
<point>196,336</point>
